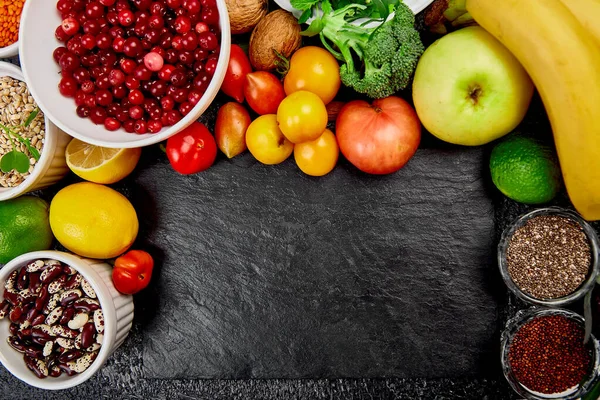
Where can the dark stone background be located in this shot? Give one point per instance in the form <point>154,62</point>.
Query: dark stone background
<point>126,374</point>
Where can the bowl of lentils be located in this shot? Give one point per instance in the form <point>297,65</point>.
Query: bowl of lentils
<point>10,18</point>
<point>549,257</point>
<point>32,149</point>
<point>60,318</point>
<point>126,73</point>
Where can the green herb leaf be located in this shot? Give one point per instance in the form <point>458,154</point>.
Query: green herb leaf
<point>303,4</point>
<point>326,7</point>
<point>31,117</point>
<point>315,27</point>
<point>32,150</point>
<point>306,14</point>
<point>14,160</point>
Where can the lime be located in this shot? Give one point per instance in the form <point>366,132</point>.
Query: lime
<point>525,169</point>
<point>93,220</point>
<point>24,227</point>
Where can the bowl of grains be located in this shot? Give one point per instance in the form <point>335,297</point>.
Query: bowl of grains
<point>549,257</point>
<point>544,356</point>
<point>10,18</point>
<point>61,318</point>
<point>25,130</point>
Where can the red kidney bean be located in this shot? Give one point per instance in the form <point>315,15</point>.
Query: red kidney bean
<point>31,314</point>
<point>13,329</point>
<point>67,315</point>
<point>16,344</point>
<point>69,296</point>
<point>51,273</point>
<point>69,356</point>
<point>86,305</point>
<point>42,299</point>
<point>26,296</point>
<point>34,352</point>
<point>11,297</point>
<point>24,334</point>
<point>4,307</point>
<point>39,319</point>
<point>39,336</point>
<point>38,367</point>
<point>87,335</point>
<point>57,285</point>
<point>73,282</point>
<point>15,314</point>
<point>69,270</point>
<point>34,282</point>
<point>22,279</point>
<point>65,368</point>
<point>55,372</point>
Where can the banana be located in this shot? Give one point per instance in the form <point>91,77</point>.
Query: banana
<point>588,14</point>
<point>564,63</point>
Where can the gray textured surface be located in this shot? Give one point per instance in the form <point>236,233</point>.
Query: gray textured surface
<point>270,274</point>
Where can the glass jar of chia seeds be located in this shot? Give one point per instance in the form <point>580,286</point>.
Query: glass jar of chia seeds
<point>549,257</point>
<point>564,368</point>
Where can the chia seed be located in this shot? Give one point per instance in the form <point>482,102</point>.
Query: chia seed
<point>549,257</point>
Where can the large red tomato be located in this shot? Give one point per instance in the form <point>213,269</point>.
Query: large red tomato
<point>378,138</point>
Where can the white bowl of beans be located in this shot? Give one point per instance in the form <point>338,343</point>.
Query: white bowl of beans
<point>61,318</point>
<point>51,166</point>
<point>115,79</point>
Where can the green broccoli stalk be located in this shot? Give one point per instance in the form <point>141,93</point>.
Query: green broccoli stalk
<point>377,61</point>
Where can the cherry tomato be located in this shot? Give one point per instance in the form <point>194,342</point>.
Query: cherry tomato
<point>378,138</point>
<point>230,129</point>
<point>317,157</point>
<point>237,69</point>
<point>132,271</point>
<point>263,92</point>
<point>266,142</point>
<point>314,69</point>
<point>192,150</point>
<point>302,116</point>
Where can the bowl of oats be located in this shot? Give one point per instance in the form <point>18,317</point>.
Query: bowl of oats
<point>32,149</point>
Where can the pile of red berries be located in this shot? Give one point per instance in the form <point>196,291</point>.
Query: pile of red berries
<point>136,64</point>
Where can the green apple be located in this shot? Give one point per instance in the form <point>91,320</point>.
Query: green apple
<point>469,89</point>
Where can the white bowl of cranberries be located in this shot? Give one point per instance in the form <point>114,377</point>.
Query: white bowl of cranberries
<point>124,73</point>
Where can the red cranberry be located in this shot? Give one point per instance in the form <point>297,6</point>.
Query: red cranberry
<point>58,53</point>
<point>133,47</point>
<point>153,61</point>
<point>81,75</point>
<point>185,108</point>
<point>154,126</point>
<point>122,114</point>
<point>136,97</point>
<point>107,57</point>
<point>194,97</point>
<point>140,127</point>
<point>150,103</point>
<point>118,44</point>
<point>90,60</point>
<point>70,26</point>
<point>83,111</point>
<point>190,41</point>
<point>88,87</point>
<point>200,54</point>
<point>127,66</point>
<point>180,95</point>
<point>166,72</point>
<point>182,24</point>
<point>116,31</point>
<point>156,21</point>
<point>112,18</point>
<point>155,113</point>
<point>178,78</point>
<point>158,89</point>
<point>122,5</point>
<point>186,58</point>
<point>142,4</point>
<point>107,3</point>
<point>208,41</point>
<point>129,126</point>
<point>79,98</point>
<point>142,73</point>
<point>98,115</point>
<point>132,83</point>
<point>69,62</point>
<point>210,16</point>
<point>92,27</point>
<point>165,40</point>
<point>201,27</point>
<point>201,83</point>
<point>146,45</point>
<point>177,43</point>
<point>136,112</point>
<point>198,67</point>
<point>208,3</point>
<point>173,4</point>
<point>211,65</point>
<point>119,91</point>
<point>103,97</point>
<point>94,10</point>
<point>103,82</point>
<point>103,41</point>
<point>159,50</point>
<point>88,41</point>
<point>90,100</point>
<point>167,103</point>
<point>116,77</point>
<point>126,17</point>
<point>111,124</point>
<point>74,46</point>
<point>192,6</point>
<point>172,56</point>
<point>64,6</point>
<point>152,35</point>
<point>172,117</point>
<point>157,8</point>
<point>112,109</point>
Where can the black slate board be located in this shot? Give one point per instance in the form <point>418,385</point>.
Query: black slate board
<point>268,273</point>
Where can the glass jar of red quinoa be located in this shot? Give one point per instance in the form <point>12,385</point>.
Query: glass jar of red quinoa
<point>549,257</point>
<point>544,357</point>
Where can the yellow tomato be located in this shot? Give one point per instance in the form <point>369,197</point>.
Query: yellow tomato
<point>314,69</point>
<point>266,142</point>
<point>317,157</point>
<point>302,116</point>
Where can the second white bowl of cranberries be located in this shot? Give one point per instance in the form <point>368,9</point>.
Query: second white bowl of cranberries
<point>124,73</point>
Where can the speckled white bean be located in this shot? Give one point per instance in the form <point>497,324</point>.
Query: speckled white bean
<point>48,348</point>
<point>99,321</point>
<point>78,321</point>
<point>88,289</point>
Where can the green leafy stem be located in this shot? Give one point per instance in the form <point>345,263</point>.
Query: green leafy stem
<point>15,159</point>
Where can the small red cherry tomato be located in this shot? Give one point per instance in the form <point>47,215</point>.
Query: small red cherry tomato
<point>132,271</point>
<point>263,92</point>
<point>239,66</point>
<point>192,150</point>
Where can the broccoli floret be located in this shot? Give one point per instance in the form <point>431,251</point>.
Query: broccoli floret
<point>377,61</point>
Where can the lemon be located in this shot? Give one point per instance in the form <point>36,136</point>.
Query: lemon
<point>100,164</point>
<point>525,170</point>
<point>93,220</point>
<point>24,227</point>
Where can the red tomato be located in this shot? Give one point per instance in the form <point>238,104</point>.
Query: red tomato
<point>192,150</point>
<point>378,138</point>
<point>239,66</point>
<point>263,92</point>
<point>132,271</point>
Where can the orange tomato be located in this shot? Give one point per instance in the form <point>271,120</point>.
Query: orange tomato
<point>302,116</point>
<point>317,157</point>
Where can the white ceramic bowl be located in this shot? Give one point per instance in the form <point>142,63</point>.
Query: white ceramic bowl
<point>36,45</point>
<point>51,166</point>
<point>10,50</point>
<point>117,309</point>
